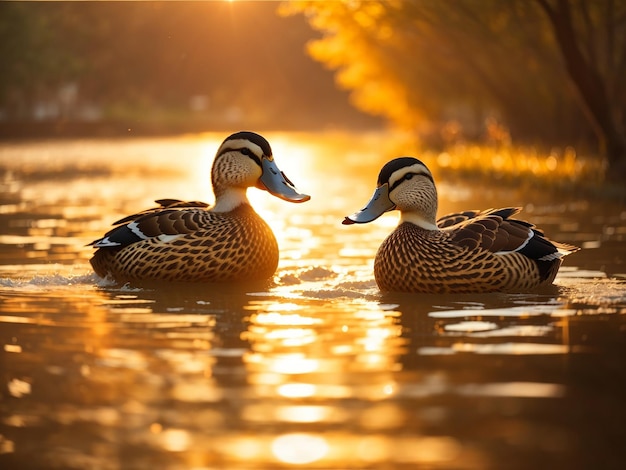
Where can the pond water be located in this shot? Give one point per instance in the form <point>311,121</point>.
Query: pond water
<point>315,369</point>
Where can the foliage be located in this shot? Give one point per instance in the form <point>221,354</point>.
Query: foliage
<point>143,60</point>
<point>469,61</point>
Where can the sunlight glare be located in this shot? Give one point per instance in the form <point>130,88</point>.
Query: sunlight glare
<point>306,413</point>
<point>278,319</point>
<point>200,174</point>
<point>175,440</point>
<point>18,388</point>
<point>299,448</point>
<point>297,390</point>
<point>293,364</point>
<point>293,158</point>
<point>292,337</point>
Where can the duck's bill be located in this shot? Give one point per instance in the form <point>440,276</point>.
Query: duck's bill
<point>276,182</point>
<point>377,206</point>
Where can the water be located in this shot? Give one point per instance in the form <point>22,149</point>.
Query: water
<point>316,369</point>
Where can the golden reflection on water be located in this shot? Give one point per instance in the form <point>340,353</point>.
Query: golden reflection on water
<point>299,448</point>
<point>318,370</point>
<point>329,357</point>
<point>111,179</point>
<point>321,351</point>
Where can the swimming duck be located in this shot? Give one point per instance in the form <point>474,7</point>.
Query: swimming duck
<point>192,242</point>
<point>472,251</point>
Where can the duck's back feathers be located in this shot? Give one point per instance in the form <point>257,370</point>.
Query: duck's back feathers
<point>490,230</point>
<point>171,217</point>
<point>473,251</point>
<point>186,242</point>
<point>458,217</point>
<point>493,230</point>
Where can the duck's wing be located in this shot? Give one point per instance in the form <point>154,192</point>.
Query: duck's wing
<point>172,217</point>
<point>493,230</point>
<point>163,204</point>
<point>458,217</point>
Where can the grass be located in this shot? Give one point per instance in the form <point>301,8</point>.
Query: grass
<point>557,168</point>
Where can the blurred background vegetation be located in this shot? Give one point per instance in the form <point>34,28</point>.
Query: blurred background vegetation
<point>542,73</point>
<point>538,71</point>
<point>162,67</point>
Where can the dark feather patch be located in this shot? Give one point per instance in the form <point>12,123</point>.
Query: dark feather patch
<point>252,137</point>
<point>394,165</point>
<point>490,229</point>
<point>495,231</point>
<point>172,217</point>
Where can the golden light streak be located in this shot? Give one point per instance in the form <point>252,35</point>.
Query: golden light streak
<point>297,390</point>
<point>18,388</point>
<point>307,413</point>
<point>296,363</point>
<point>299,448</point>
<point>175,440</point>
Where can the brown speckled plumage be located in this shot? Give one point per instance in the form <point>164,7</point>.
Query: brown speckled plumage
<point>188,241</point>
<point>472,251</point>
<point>412,259</point>
<point>234,246</point>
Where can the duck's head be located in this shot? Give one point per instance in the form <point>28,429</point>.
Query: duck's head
<point>244,160</point>
<point>405,184</point>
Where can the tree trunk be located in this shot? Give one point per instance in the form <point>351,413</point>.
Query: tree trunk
<point>591,89</point>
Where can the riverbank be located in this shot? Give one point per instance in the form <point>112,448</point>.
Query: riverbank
<point>529,167</point>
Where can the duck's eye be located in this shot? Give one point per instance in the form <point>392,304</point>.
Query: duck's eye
<point>249,153</point>
<point>406,177</point>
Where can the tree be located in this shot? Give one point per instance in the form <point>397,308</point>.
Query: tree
<point>147,63</point>
<point>420,63</point>
<point>599,75</point>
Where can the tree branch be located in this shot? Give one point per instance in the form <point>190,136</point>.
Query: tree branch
<point>547,8</point>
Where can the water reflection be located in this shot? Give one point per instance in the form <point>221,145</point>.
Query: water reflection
<point>315,369</point>
<point>316,350</point>
<point>306,361</point>
<point>299,448</point>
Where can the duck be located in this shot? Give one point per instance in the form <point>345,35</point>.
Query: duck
<point>475,251</point>
<point>190,241</point>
